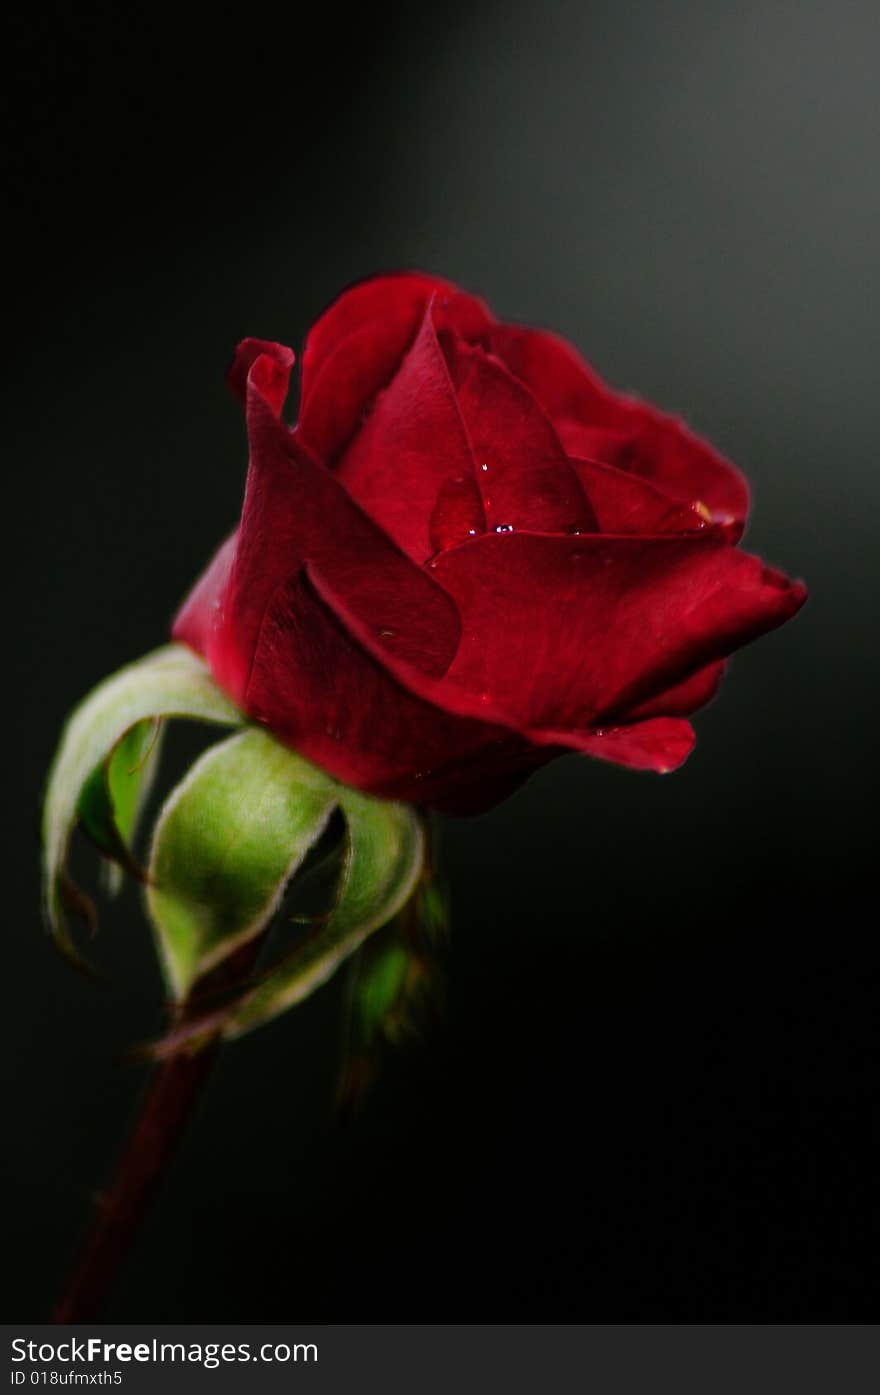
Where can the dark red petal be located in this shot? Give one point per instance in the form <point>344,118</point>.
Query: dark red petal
<point>464,315</point>
<point>624,503</point>
<point>662,450</point>
<point>199,622</point>
<point>565,632</point>
<point>271,365</point>
<point>666,452</point>
<point>686,697</point>
<point>661,744</point>
<point>560,379</point>
<point>323,694</point>
<point>412,443</point>
<point>401,297</point>
<point>297,511</point>
<point>587,412</point>
<point>458,513</point>
<point>342,389</point>
<point>524,475</point>
<point>607,445</point>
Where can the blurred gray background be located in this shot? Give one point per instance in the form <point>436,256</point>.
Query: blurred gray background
<point>654,1095</point>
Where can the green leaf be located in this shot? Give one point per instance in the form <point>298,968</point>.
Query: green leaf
<point>384,857</point>
<point>229,838</point>
<point>94,776</point>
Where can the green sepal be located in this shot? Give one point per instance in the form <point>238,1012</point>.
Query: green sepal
<point>104,764</point>
<point>384,854</point>
<point>395,987</point>
<point>112,797</point>
<point>227,841</point>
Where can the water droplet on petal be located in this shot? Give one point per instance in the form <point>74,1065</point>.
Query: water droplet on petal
<point>504,528</point>
<point>387,634</point>
<point>458,513</point>
<point>484,466</point>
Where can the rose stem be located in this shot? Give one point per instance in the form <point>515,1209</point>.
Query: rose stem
<point>170,1098</point>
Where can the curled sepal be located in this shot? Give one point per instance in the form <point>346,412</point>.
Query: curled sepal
<point>112,798</point>
<point>105,761</point>
<point>384,854</point>
<point>226,843</point>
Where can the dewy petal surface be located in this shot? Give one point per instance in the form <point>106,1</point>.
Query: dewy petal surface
<point>624,503</point>
<point>524,476</point>
<point>412,443</point>
<point>662,451</point>
<point>284,656</point>
<point>471,554</point>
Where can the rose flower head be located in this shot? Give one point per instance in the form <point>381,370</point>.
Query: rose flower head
<point>470,555</point>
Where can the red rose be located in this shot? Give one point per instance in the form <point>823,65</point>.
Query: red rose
<point>470,555</point>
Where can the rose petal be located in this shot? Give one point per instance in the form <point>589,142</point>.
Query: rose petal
<point>524,475</point>
<point>295,511</point>
<point>658,447</point>
<point>663,451</point>
<point>342,389</point>
<point>461,314</point>
<point>458,513</point>
<point>412,443</point>
<point>321,693</point>
<point>269,364</point>
<point>199,622</point>
<point>401,298</point>
<point>561,380</point>
<point>661,745</point>
<point>624,503</point>
<point>602,623</point>
<point>685,697</point>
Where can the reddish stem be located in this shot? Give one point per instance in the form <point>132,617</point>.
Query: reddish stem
<point>171,1095</point>
<point>168,1105</point>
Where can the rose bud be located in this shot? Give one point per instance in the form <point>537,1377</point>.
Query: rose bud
<point>469,555</point>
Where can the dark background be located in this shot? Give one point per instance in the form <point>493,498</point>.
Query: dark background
<point>653,1097</point>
